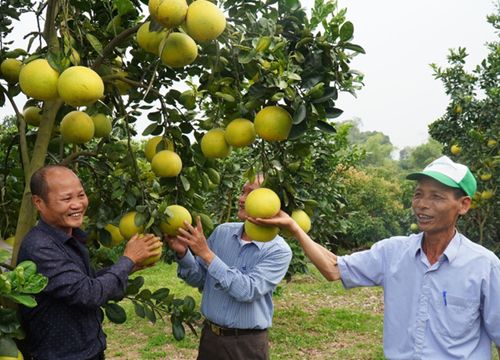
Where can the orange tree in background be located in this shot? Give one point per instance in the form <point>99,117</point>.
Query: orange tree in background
<point>469,132</point>
<point>122,61</point>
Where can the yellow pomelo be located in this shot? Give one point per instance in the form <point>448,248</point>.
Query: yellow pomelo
<point>204,20</point>
<point>178,50</point>
<point>486,176</point>
<point>491,143</point>
<point>262,203</point>
<point>166,163</point>
<point>149,40</point>
<point>240,132</point>
<point>32,115</point>
<point>116,237</point>
<point>80,85</point>
<point>151,147</point>
<point>169,13</point>
<point>260,232</point>
<point>172,223</point>
<point>19,357</point>
<point>128,227</point>
<point>77,127</point>
<point>486,195</point>
<point>302,219</point>
<point>10,69</point>
<point>153,259</point>
<point>214,145</point>
<point>39,80</point>
<point>10,240</point>
<point>102,125</point>
<point>273,123</point>
<point>455,149</point>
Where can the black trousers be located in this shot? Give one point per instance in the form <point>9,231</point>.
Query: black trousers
<point>99,356</point>
<point>248,346</point>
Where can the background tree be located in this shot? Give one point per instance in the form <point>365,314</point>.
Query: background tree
<point>469,133</point>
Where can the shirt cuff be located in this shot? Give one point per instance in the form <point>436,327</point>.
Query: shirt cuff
<point>344,273</point>
<point>125,263</point>
<point>187,260</point>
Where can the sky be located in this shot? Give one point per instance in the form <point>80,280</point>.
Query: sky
<point>401,39</point>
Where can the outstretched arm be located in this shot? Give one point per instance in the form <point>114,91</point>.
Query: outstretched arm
<point>322,258</point>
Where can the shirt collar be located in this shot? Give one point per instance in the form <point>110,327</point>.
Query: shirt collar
<point>60,235</point>
<point>238,232</point>
<point>450,252</point>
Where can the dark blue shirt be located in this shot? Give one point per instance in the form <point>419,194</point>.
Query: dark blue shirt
<point>66,323</point>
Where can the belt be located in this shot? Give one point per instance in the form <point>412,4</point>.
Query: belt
<point>223,331</point>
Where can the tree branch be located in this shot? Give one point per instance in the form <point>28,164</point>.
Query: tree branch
<point>111,45</point>
<point>23,146</point>
<point>70,158</point>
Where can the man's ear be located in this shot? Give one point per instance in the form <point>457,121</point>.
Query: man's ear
<point>37,201</point>
<point>465,203</point>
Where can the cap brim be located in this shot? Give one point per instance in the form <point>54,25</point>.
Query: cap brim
<point>443,179</point>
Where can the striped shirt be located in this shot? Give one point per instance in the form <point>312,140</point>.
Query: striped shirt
<point>238,285</point>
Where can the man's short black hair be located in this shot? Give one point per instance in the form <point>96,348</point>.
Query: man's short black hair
<point>38,181</point>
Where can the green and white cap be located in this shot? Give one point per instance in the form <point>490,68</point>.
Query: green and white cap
<point>449,173</point>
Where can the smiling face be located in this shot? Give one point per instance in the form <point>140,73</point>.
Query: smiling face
<point>247,189</point>
<point>66,201</point>
<point>437,207</point>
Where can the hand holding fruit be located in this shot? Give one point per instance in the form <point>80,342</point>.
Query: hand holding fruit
<point>177,245</point>
<point>195,239</point>
<point>141,248</point>
<point>281,219</point>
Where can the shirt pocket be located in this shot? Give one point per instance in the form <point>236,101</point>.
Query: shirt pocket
<point>456,317</point>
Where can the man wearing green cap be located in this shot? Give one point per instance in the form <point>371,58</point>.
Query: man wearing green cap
<point>441,290</point>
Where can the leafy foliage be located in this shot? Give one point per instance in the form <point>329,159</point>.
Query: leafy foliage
<point>472,121</point>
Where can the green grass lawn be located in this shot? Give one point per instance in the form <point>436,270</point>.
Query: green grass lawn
<point>314,319</point>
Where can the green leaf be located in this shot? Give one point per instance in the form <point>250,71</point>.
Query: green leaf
<point>213,175</point>
<point>95,43</point>
<point>139,310</point>
<point>188,304</point>
<point>178,330</point>
<point>300,114</point>
<point>115,313</point>
<point>354,47</point>
<point>227,97</point>
<point>325,127</point>
<point>150,314</point>
<point>124,6</point>
<point>160,294</point>
<point>327,95</point>
<point>185,183</point>
<point>134,285</point>
<point>346,31</point>
<point>26,300</point>
<point>298,130</point>
<point>8,321</point>
<point>4,255</point>
<point>8,347</point>
<point>333,113</point>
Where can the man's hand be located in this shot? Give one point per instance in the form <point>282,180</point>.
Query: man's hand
<point>141,247</point>
<point>176,245</point>
<point>282,220</point>
<point>195,239</point>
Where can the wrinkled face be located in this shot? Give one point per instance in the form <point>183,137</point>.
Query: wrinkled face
<point>66,200</point>
<point>247,189</point>
<point>437,208</point>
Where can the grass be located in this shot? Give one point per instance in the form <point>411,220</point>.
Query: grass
<point>313,319</point>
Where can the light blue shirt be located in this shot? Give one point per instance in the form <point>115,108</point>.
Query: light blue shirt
<point>238,285</point>
<point>450,310</point>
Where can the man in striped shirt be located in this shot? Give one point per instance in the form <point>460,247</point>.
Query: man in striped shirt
<point>237,276</point>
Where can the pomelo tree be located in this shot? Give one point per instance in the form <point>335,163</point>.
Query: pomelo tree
<point>469,133</point>
<point>253,55</point>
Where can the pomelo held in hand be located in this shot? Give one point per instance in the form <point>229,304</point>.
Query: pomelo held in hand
<point>38,80</point>
<point>18,357</point>
<point>166,163</point>
<point>153,259</point>
<point>80,85</point>
<point>273,123</point>
<point>262,203</point>
<point>128,226</point>
<point>172,224</point>
<point>260,232</point>
<point>77,127</point>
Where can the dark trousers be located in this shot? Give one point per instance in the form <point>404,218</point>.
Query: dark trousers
<point>99,356</point>
<point>249,346</point>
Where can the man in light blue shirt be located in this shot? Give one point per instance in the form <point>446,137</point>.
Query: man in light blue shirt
<point>237,277</point>
<point>441,290</point>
